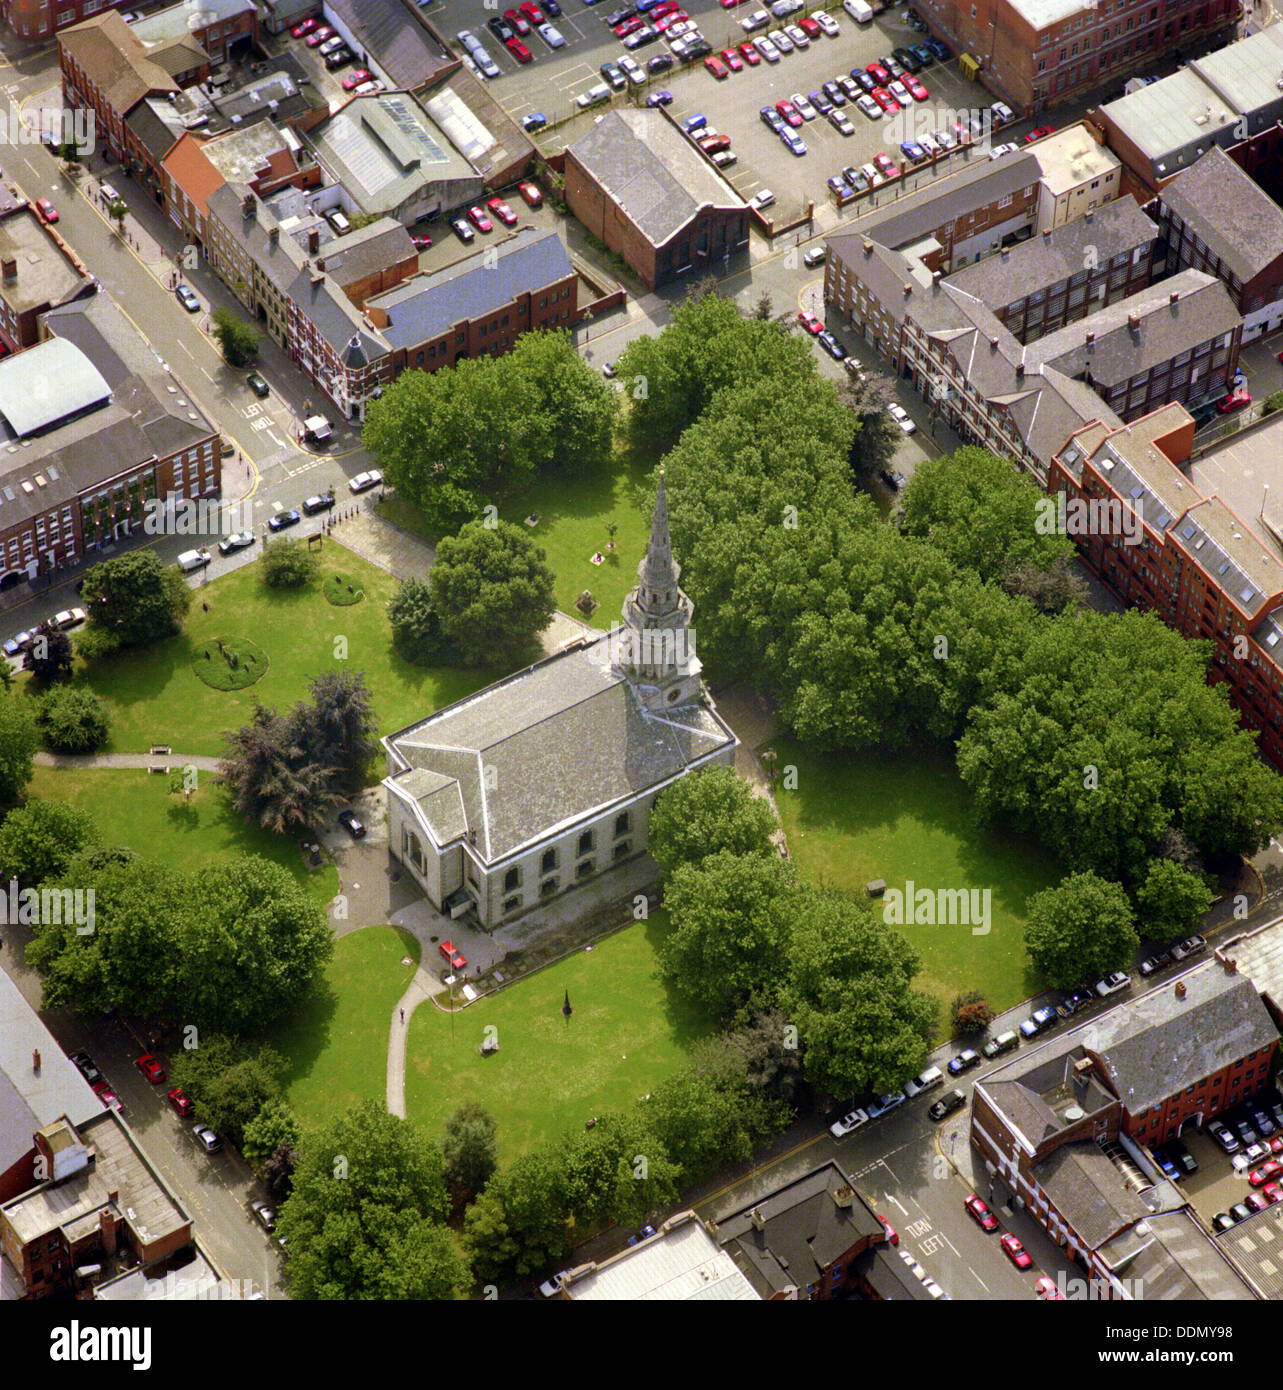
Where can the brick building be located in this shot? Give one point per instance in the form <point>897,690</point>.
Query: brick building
<point>640,186</point>
<point>1067,1129</point>
<point>37,271</point>
<point>1042,53</point>
<point>220,29</point>
<point>1215,218</point>
<point>1078,174</point>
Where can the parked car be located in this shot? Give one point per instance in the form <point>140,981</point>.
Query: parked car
<point>181,1103</point>
<point>455,959</point>
<point>1182,1157</point>
<point>925,1081</point>
<point>263,1214</point>
<point>1038,1021</point>
<point>70,617</point>
<point>110,1100</point>
<point>461,229</point>
<point>813,325</point>
<point>151,1068</point>
<point>1045,1287</point>
<point>1190,946</point>
<point>18,644</point>
<point>238,540</point>
<point>318,502</point>
<point>1269,1171</point>
<point>479,220</point>
<point>530,192</point>
<point>341,57</point>
<point>278,521</point>
<point>999,150</point>
<point>814,256</point>
<point>1166,1166</point>
<point>206,1138</point>
<point>302,29</point>
<point>533,121</point>
<point>964,1061</point>
<point>1112,983</point>
<point>1240,1211</point>
<point>1221,1135</point>
<point>1004,1042</point>
<point>353,824</point>
<point>1039,132</point>
<point>638,1236</point>
<point>1222,1221</point>
<point>1152,964</point>
<point>187,298</point>
<point>980,1213</point>
<point>363,482</point>
<point>901,417</point>
<point>1015,1251</point>
<point>1073,1003</point>
<point>946,1105</point>
<point>879,1105</point>
<point>848,1124</point>
<point>46,210</point>
<point>86,1066</point>
<point>502,211</point>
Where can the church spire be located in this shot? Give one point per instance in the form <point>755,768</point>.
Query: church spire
<point>658,571</point>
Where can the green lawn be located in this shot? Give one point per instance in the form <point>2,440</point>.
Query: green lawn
<point>551,1074</point>
<point>901,816</point>
<point>134,808</point>
<point>336,1047</point>
<point>156,698</point>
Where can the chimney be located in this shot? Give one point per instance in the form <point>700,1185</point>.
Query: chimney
<point>1020,369</point>
<point>1229,964</point>
<point>1180,989</point>
<point>107,1232</point>
<point>868,247</point>
<point>1133,322</point>
<point>1006,253</point>
<point>1089,216</point>
<point>318,278</point>
<point>1091,335</point>
<point>313,241</point>
<point>993,344</point>
<point>274,236</point>
<point>758,1220</point>
<point>9,268</point>
<point>844,1197</point>
<point>35,1059</point>
<point>1174,297</point>
<point>247,205</point>
<point>1082,1074</point>
<point>908,289</point>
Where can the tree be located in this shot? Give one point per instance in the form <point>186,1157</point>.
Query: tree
<point>49,657</point>
<point>1081,928</point>
<point>1061,585</point>
<point>337,730</point>
<point>273,1128</point>
<point>491,1246</point>
<point>416,627</point>
<point>493,592</point>
<point>270,780</point>
<point>703,814</point>
<point>534,1195</point>
<point>850,991</point>
<point>877,436</point>
<point>287,564</point>
<point>40,838</point>
<point>617,1171</point>
<point>252,946</point>
<point>231,1083</point>
<point>970,1013</point>
<point>69,153</point>
<point>731,917</point>
<point>1171,901</point>
<point>19,739</point>
<point>237,339</point>
<point>763,1040</point>
<point>1272,402</point>
<point>72,719</point>
<point>364,1189</point>
<point>278,1171</point>
<point>117,210</point>
<point>764,309</point>
<point>135,598</point>
<point>982,513</point>
<point>470,1147</point>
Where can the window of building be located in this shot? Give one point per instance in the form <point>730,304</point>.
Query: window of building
<point>548,887</point>
<point>584,868</point>
<point>549,861</point>
<point>511,880</point>
<point>622,824</point>
<point>586,842</point>
<point>512,904</point>
<point>623,849</point>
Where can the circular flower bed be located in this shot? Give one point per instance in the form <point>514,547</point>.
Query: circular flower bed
<point>229,663</point>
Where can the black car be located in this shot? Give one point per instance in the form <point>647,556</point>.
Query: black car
<point>501,29</point>
<point>352,824</point>
<point>320,502</point>
<point>771,117</point>
<point>661,62</point>
<point>1073,1003</point>
<point>1222,1221</point>
<point>700,49</point>
<point>1182,1157</point>
<point>864,80</point>
<point>618,16</point>
<point>893,480</point>
<point>340,58</point>
<point>1190,946</point>
<point>85,1065</point>
<point>907,59</point>
<point>1240,1211</point>
<point>1152,964</point>
<point>964,1061</point>
<point>280,520</point>
<point>256,383</point>
<point>553,8</point>
<point>946,1105</point>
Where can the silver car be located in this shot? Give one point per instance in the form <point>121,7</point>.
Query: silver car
<point>552,36</point>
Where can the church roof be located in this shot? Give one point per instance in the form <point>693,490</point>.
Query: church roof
<point>559,742</point>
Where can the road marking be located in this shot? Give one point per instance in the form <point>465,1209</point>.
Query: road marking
<point>273,438</point>
<point>979,1280</point>
<point>895,1202</point>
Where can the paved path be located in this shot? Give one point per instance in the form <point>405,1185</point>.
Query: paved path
<point>198,761</point>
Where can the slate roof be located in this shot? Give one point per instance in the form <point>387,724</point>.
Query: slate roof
<point>390,31</point>
<point>1231,556</point>
<point>1159,1044</point>
<point>1169,1256</point>
<point>281,261</point>
<point>1086,1188</point>
<point>115,61</point>
<point>1241,224</point>
<point>426,306</point>
<point>366,251</point>
<point>651,171</point>
<point>562,740</point>
<point>333,314</point>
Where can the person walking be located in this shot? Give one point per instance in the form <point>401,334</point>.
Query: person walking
<point>402,1015</point>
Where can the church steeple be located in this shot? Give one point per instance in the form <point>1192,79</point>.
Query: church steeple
<point>655,649</point>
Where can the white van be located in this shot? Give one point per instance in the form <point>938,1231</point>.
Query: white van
<point>599,93</point>
<point>927,1081</point>
<point>317,427</point>
<point>859,10</point>
<point>191,560</point>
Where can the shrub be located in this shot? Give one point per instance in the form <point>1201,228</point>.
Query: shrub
<point>73,720</point>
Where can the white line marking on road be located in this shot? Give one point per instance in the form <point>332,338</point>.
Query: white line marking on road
<point>895,1201</point>
<point>208,374</point>
<point>949,1243</point>
<point>274,439</point>
<point>979,1280</point>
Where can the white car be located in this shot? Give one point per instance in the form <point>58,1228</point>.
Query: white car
<point>550,1288</point>
<point>848,1124</point>
<point>485,62</point>
<point>781,8</point>
<point>680,29</point>
<point>797,35</point>
<point>631,70</point>
<point>840,123</point>
<point>900,92</point>
<point>70,617</point>
<point>827,23</point>
<point>804,107</point>
<point>367,89</point>
<point>872,175</point>
<point>781,40</point>
<point>870,107</point>
<point>767,49</point>
<point>363,482</point>
<point>552,36</point>
<point>759,19</point>
<point>999,150</point>
<point>763,198</point>
<point>1111,984</point>
<point>467,38</point>
<point>901,417</point>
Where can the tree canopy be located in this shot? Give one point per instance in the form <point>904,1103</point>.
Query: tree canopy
<point>710,811</point>
<point>135,598</point>
<point>1081,928</point>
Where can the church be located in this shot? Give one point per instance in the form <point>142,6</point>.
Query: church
<point>546,779</point>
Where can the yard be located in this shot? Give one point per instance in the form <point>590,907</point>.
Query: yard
<point>551,1074</point>
<point>155,696</point>
<point>135,808</point>
<point>907,816</point>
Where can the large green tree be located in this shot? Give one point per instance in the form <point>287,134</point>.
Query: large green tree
<point>617,1171</point>
<point>19,739</point>
<point>232,1083</point>
<point>73,719</point>
<point>40,838</point>
<point>470,1146</point>
<point>1082,927</point>
<point>416,626</point>
<point>711,811</point>
<point>135,598</point>
<point>493,592</point>
<point>1171,901</point>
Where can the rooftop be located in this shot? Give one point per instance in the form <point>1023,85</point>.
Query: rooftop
<point>1043,13</point>
<point>1071,157</point>
<point>1259,956</point>
<point>366,251</point>
<point>682,1262</point>
<point>652,172</point>
<point>50,383</point>
<point>1232,556</point>
<point>46,274</point>
<point>175,22</point>
<point>114,60</point>
<point>1241,224</point>
<point>402,46</point>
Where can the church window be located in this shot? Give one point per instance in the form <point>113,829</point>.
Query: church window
<point>585,842</point>
<point>549,862</point>
<point>548,887</point>
<point>511,880</point>
<point>584,868</point>
<point>512,904</point>
<point>622,824</point>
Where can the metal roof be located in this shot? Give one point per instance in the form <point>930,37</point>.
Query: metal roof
<point>46,384</point>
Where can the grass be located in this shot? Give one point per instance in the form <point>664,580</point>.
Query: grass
<point>229,663</point>
<point>132,807</point>
<point>551,1074</point>
<point>408,517</point>
<point>342,590</point>
<point>154,697</point>
<point>901,816</point>
<point>336,1046</point>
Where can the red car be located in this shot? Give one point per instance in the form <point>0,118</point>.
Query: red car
<point>354,79</point>
<point>717,67</point>
<point>179,1099</point>
<point>108,1097</point>
<point>1275,1142</point>
<point>1015,1252</point>
<point>887,169</point>
<point>812,325</point>
<point>1046,1288</point>
<point>46,209</point>
<point>479,220</point>
<point>503,212</point>
<point>664,7</point>
<point>790,112</point>
<point>917,90</point>
<point>748,51</point>
<point>518,21</point>
<point>456,958</point>
<point>884,99</point>
<point>530,192</point>
<point>878,73</point>
<point>1256,1201</point>
<point>732,59</point>
<point>1038,132</point>
<point>421,241</point>
<point>318,36</point>
<point>532,12</point>
<point>1273,1192</point>
<point>981,1213</point>
<point>629,26</point>
<point>669,20</point>
<point>809,27</point>
<point>150,1068</point>
<point>730,4</point>
<point>518,50</point>
<point>1236,400</point>
<point>303,29</point>
<point>892,1237</point>
<point>1269,1171</point>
